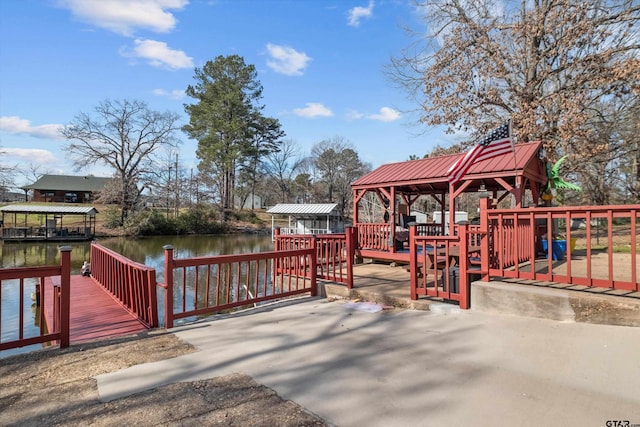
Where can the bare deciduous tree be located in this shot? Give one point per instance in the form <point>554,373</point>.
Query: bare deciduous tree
<point>282,165</point>
<point>34,171</point>
<point>126,136</point>
<point>544,63</point>
<point>338,164</point>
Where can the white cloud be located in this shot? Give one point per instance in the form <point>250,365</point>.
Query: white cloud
<point>125,16</point>
<point>286,60</point>
<point>386,114</point>
<point>173,94</point>
<point>158,54</point>
<point>312,110</point>
<point>33,155</point>
<point>354,115</point>
<point>16,125</point>
<point>358,13</point>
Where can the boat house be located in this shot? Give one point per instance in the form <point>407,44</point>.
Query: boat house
<point>55,223</point>
<point>313,218</point>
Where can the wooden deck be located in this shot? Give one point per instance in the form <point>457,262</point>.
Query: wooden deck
<point>95,314</point>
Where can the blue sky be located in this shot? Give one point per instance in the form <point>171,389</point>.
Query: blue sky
<point>320,63</point>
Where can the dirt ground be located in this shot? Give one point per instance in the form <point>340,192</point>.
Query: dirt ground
<point>56,387</point>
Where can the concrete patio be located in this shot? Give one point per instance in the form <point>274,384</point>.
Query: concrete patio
<point>401,367</point>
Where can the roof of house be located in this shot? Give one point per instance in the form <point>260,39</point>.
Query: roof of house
<point>303,209</point>
<point>86,183</point>
<point>432,172</point>
<point>48,209</point>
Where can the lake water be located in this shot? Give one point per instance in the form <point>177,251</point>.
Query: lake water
<point>147,251</point>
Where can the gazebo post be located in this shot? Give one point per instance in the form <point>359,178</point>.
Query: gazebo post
<point>519,190</point>
<point>393,219</point>
<point>452,208</point>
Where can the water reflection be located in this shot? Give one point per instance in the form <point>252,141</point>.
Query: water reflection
<point>149,251</point>
<point>42,253</point>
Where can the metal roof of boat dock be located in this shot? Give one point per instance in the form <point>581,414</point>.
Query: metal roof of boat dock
<point>303,209</point>
<point>44,209</point>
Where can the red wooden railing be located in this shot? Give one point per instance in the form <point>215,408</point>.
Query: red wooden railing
<point>131,283</point>
<point>440,266</point>
<point>430,229</point>
<point>374,236</point>
<point>61,303</point>
<point>335,252</point>
<point>518,238</point>
<point>377,236</point>
<point>206,285</point>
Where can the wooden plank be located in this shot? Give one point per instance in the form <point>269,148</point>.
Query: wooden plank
<point>95,314</point>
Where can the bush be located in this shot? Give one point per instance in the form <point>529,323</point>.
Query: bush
<point>248,216</point>
<point>112,217</point>
<point>200,219</point>
<point>151,223</point>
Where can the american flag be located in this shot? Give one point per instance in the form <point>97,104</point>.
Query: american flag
<point>496,143</point>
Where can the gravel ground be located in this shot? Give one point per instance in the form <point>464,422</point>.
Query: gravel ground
<point>57,387</point>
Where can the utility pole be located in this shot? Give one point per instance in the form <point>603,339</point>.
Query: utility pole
<point>177,190</point>
<point>191,188</point>
<point>168,190</point>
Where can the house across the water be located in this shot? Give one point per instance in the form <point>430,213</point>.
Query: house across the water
<point>313,218</point>
<point>67,188</point>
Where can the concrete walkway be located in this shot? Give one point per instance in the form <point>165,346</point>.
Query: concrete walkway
<point>443,367</point>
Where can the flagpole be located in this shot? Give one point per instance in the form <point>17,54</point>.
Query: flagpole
<point>513,150</point>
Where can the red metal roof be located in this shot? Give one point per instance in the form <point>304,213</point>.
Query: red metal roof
<point>433,171</point>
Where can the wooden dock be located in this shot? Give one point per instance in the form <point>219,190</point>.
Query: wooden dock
<point>95,314</point>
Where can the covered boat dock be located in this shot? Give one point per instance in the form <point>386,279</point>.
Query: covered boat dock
<point>309,218</point>
<point>18,223</point>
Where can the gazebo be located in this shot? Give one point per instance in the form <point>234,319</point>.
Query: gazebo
<point>398,186</point>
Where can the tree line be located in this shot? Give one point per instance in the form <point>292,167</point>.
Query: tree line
<point>242,153</point>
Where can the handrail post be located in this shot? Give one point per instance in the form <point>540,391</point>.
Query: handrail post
<point>153,298</point>
<point>634,216</point>
<point>168,290</point>
<point>413,262</point>
<point>96,263</point>
<point>276,234</point>
<point>349,232</point>
<point>65,294</point>
<point>276,247</point>
<point>484,240</point>
<point>313,269</point>
<point>463,279</point>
